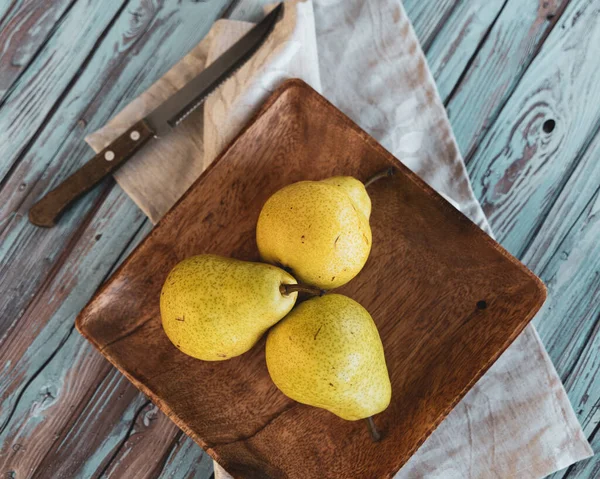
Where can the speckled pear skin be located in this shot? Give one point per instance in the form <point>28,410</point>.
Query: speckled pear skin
<point>355,189</point>
<point>315,230</point>
<point>214,308</point>
<point>327,353</point>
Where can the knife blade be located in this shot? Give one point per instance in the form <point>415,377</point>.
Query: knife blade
<point>159,122</point>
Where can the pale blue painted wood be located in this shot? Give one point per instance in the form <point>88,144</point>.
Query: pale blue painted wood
<point>39,88</point>
<point>68,456</point>
<point>427,16</point>
<point>147,447</point>
<point>459,39</point>
<point>565,250</point>
<point>574,198</point>
<point>23,29</point>
<point>529,172</point>
<point>93,459</point>
<point>51,352</point>
<point>520,168</point>
<point>569,319</point>
<point>572,328</point>
<point>497,67</point>
<point>566,254</point>
<point>588,469</point>
<point>185,461</point>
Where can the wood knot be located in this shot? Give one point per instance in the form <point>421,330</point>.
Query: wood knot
<point>549,126</point>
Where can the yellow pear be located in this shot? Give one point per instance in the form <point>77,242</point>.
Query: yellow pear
<point>317,230</point>
<point>215,308</point>
<point>327,353</point>
<point>355,189</point>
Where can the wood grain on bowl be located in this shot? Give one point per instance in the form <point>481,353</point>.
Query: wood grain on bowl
<point>446,298</point>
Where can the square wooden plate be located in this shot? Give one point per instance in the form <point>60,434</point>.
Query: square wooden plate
<point>446,298</point>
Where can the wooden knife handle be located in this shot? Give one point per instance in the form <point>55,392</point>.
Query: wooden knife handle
<point>47,211</point>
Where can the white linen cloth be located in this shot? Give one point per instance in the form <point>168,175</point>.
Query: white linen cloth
<point>516,422</point>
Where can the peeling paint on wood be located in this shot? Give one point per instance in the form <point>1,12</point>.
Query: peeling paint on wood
<point>23,30</point>
<point>525,160</point>
<point>40,87</point>
<point>459,39</point>
<point>496,69</point>
<point>428,17</point>
<point>184,460</point>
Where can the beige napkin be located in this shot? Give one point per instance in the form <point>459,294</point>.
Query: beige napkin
<point>517,421</point>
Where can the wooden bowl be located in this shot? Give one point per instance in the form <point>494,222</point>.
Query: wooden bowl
<point>447,300</point>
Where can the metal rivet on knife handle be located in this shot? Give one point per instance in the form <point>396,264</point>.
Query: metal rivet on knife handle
<point>47,211</point>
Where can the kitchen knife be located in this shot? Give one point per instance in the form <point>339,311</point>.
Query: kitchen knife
<point>158,123</point>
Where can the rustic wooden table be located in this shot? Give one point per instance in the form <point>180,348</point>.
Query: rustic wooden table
<point>519,79</point>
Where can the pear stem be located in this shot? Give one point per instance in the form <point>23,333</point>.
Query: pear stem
<point>375,435</point>
<point>377,176</point>
<point>287,289</point>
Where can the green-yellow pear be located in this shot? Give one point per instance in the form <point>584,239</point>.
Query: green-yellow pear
<point>327,353</point>
<point>318,230</point>
<point>215,308</point>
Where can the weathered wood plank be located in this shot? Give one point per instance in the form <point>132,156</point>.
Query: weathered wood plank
<point>73,364</point>
<point>24,28</point>
<point>566,253</point>
<point>483,77</point>
<point>247,10</point>
<point>133,439</point>
<point>73,413</point>
<point>525,159</point>
<point>568,324</point>
<point>134,76</point>
<point>498,66</point>
<point>44,324</point>
<point>573,307</point>
<point>576,195</point>
<point>40,87</point>
<point>65,458</point>
<point>91,100</point>
<point>147,446</point>
<point>88,386</point>
<point>5,9</point>
<point>46,349</point>
<point>571,326</point>
<point>583,381</point>
<point>185,461</point>
<point>570,319</point>
<point>458,39</point>
<point>427,17</point>
<point>124,72</point>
